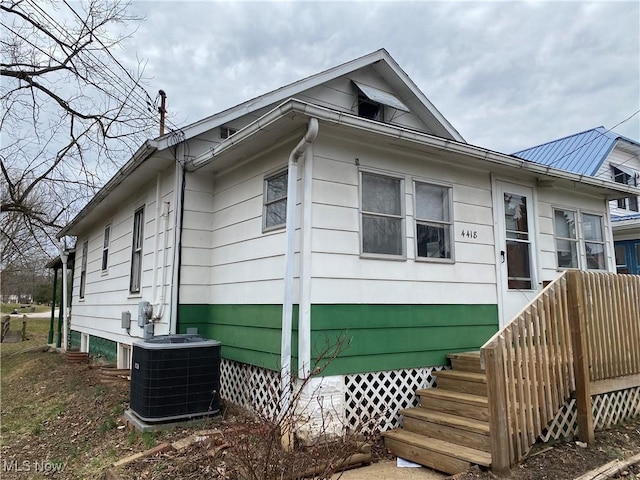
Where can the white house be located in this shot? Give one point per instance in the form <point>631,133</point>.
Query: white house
<point>395,234</point>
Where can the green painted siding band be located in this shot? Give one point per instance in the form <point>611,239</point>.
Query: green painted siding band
<point>248,333</point>
<point>392,337</point>
<point>376,337</point>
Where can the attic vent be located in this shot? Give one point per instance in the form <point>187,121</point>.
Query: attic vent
<point>380,97</point>
<point>226,132</point>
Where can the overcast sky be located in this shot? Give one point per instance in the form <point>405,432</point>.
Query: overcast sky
<point>506,75</point>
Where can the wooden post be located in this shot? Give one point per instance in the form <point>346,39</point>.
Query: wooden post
<point>24,328</point>
<point>499,427</point>
<point>576,299</point>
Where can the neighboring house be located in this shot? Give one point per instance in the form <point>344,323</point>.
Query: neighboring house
<point>396,234</point>
<point>608,156</point>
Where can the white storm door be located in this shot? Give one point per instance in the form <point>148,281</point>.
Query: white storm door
<point>516,237</point>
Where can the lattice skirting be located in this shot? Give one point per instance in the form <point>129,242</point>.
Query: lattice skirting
<point>254,388</point>
<point>608,409</point>
<point>372,399</point>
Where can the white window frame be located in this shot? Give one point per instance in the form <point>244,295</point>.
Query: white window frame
<point>423,221</point>
<point>137,243</point>
<point>265,203</point>
<point>578,220</point>
<point>401,216</point>
<point>581,241</point>
<point>83,270</point>
<point>106,241</point>
<point>584,241</point>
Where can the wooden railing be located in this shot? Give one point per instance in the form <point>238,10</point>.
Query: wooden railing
<point>579,336</point>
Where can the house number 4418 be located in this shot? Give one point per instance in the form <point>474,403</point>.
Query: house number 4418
<point>469,234</point>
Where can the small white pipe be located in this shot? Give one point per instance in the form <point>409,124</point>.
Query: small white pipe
<point>287,307</point>
<point>64,256</point>
<point>154,294</point>
<point>165,228</point>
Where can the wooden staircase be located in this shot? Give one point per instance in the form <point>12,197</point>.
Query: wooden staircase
<point>449,431</point>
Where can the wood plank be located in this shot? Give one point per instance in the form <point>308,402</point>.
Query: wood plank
<point>498,425</point>
<point>471,406</point>
<point>613,384</point>
<point>448,433</point>
<point>437,461</point>
<point>465,376</point>
<point>440,446</point>
<point>464,423</point>
<point>581,362</point>
<point>462,386</point>
<point>513,417</point>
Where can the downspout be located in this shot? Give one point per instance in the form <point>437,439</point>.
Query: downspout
<point>65,327</point>
<point>287,307</point>
<point>304,312</point>
<point>179,188</point>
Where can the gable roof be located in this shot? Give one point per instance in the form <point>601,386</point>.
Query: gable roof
<point>582,153</point>
<point>408,92</point>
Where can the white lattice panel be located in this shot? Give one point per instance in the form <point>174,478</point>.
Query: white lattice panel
<point>251,387</point>
<point>374,398</point>
<point>608,409</point>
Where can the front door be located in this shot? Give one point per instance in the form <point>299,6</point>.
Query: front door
<point>516,247</point>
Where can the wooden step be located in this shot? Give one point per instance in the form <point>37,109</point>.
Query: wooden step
<point>466,361</point>
<point>465,382</point>
<point>463,431</point>
<point>433,453</point>
<point>455,403</point>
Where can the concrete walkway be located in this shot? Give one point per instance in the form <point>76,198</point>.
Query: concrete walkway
<point>386,470</point>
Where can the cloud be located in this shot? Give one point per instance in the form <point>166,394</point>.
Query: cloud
<point>507,75</point>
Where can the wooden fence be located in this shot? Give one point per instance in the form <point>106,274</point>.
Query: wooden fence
<point>580,336</point>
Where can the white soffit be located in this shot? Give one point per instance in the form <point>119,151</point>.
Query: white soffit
<point>381,97</point>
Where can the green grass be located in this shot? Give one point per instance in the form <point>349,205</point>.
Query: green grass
<point>9,307</point>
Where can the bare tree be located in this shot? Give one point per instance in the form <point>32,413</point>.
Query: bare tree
<point>71,113</point>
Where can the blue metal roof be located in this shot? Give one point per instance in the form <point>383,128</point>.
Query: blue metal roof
<point>581,153</point>
<point>622,218</point>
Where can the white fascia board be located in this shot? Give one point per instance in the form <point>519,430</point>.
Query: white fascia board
<point>293,106</point>
<point>144,152</point>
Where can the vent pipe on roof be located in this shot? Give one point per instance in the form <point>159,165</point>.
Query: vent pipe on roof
<point>287,307</point>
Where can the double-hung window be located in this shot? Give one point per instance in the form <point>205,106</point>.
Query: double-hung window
<point>136,251</point>
<point>433,221</point>
<point>274,212</point>
<point>105,248</point>
<point>566,236</point>
<point>83,268</point>
<point>381,215</point>
<point>593,241</point>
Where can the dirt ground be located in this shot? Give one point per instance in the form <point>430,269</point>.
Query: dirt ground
<point>59,421</point>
